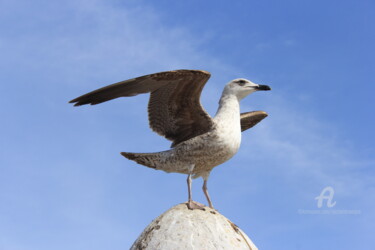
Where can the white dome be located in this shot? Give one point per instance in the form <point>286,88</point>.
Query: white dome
<point>181,228</point>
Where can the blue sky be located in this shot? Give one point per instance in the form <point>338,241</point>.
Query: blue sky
<point>63,183</point>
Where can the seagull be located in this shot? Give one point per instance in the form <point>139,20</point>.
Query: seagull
<point>199,142</point>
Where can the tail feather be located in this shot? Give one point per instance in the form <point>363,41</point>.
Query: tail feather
<point>150,160</point>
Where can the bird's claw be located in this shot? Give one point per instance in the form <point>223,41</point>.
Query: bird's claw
<point>195,205</point>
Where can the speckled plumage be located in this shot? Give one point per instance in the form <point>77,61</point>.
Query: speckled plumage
<point>205,151</point>
<point>200,142</point>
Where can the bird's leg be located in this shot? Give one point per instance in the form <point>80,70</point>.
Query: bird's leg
<point>189,187</point>
<point>192,204</point>
<point>205,191</point>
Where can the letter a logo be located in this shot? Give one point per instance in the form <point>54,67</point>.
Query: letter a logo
<point>326,194</point>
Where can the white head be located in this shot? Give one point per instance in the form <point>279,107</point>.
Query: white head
<point>242,87</point>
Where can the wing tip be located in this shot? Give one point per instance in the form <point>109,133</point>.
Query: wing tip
<point>80,103</point>
<point>75,102</point>
<point>252,118</point>
<point>264,113</point>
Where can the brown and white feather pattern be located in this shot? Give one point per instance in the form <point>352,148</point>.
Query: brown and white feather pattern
<point>176,113</point>
<point>174,109</point>
<point>205,151</point>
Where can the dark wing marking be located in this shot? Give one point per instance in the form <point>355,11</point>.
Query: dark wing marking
<point>250,119</point>
<point>174,108</point>
<point>131,87</point>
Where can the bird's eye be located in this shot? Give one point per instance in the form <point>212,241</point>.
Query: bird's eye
<point>241,82</point>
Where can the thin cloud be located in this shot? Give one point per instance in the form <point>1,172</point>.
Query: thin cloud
<point>58,51</point>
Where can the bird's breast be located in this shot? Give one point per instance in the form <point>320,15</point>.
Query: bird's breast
<point>229,138</point>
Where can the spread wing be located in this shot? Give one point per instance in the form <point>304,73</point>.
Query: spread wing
<point>174,108</point>
<point>250,119</point>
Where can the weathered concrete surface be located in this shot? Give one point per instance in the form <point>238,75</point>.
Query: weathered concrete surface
<point>181,228</point>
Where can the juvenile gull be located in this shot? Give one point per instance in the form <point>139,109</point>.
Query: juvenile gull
<point>199,142</point>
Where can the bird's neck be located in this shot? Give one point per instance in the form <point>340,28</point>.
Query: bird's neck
<point>229,108</point>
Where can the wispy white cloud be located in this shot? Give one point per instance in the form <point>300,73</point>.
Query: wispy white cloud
<point>62,50</point>
<point>54,52</point>
<point>299,147</point>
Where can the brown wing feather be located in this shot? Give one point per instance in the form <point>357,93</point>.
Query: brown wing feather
<point>250,119</point>
<point>131,87</point>
<point>175,110</point>
<point>174,107</point>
